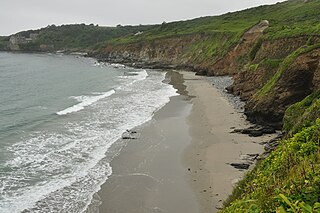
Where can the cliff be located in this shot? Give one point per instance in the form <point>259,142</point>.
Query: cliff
<point>276,68</point>
<point>273,54</point>
<point>237,44</point>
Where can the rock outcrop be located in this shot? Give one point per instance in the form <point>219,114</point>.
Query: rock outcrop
<point>236,58</point>
<point>299,80</point>
<point>252,62</point>
<point>162,53</point>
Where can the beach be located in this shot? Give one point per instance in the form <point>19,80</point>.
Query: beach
<point>181,160</point>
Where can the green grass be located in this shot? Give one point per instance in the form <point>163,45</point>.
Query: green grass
<point>293,170</point>
<point>252,67</point>
<point>221,33</point>
<point>212,46</point>
<point>3,42</point>
<point>255,49</point>
<point>286,19</point>
<point>267,88</point>
<point>272,63</point>
<point>78,36</point>
<point>302,114</point>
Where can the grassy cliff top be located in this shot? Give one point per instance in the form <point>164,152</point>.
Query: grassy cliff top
<point>289,18</point>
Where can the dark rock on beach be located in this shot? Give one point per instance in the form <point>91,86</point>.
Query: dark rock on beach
<point>255,131</point>
<point>201,72</point>
<point>130,134</point>
<point>240,166</point>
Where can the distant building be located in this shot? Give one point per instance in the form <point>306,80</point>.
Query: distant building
<point>17,39</point>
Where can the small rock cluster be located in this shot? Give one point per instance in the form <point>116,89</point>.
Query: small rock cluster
<point>256,130</point>
<point>130,134</point>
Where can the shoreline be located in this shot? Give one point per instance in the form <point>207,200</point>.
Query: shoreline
<point>148,174</point>
<point>180,163</point>
<point>213,146</point>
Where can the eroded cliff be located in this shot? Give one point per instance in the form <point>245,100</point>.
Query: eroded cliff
<point>253,61</point>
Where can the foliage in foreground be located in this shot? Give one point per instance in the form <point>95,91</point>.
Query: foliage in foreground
<point>288,180</point>
<point>303,113</point>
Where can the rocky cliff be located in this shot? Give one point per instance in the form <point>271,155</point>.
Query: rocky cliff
<point>172,52</point>
<point>299,80</point>
<point>253,61</point>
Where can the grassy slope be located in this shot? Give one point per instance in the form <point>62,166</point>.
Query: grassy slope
<point>293,169</point>
<point>289,179</point>
<point>267,88</point>
<point>78,36</point>
<point>302,114</point>
<point>286,19</point>
<point>3,42</point>
<point>220,33</point>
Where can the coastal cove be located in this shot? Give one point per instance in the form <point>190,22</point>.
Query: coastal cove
<point>213,114</point>
<point>181,160</point>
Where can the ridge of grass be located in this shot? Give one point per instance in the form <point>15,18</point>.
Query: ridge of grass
<point>288,180</point>
<point>267,88</point>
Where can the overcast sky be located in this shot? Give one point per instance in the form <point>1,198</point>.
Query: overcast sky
<point>18,15</point>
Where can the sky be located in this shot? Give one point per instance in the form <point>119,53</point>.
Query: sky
<point>18,15</point>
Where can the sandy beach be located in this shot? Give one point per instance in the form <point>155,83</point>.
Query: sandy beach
<point>180,161</point>
<point>214,147</point>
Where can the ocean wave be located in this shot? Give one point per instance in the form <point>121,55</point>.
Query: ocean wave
<point>84,101</point>
<point>60,169</point>
<point>133,77</point>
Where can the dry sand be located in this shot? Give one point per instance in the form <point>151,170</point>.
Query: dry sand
<point>179,164</point>
<point>213,146</point>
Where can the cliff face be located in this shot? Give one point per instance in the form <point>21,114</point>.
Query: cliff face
<point>267,59</point>
<point>299,80</point>
<point>253,62</point>
<point>235,59</point>
<point>177,52</point>
<point>173,52</point>
<point>169,52</point>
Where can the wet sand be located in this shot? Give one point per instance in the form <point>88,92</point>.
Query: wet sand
<point>179,164</point>
<point>149,174</point>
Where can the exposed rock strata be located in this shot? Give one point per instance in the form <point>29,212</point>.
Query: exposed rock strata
<point>299,79</point>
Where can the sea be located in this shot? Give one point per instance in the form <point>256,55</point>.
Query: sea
<point>60,116</point>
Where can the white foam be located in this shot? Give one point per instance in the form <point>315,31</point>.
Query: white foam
<point>117,65</point>
<point>133,77</point>
<point>142,75</point>
<point>59,171</point>
<point>84,101</point>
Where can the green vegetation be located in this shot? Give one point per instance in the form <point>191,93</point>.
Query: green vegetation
<point>211,46</point>
<point>216,34</point>
<point>77,37</point>
<point>302,114</point>
<point>83,36</point>
<point>286,19</point>
<point>272,63</point>
<point>253,67</point>
<point>255,49</point>
<point>220,33</point>
<point>283,66</point>
<point>3,42</point>
<point>287,180</point>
